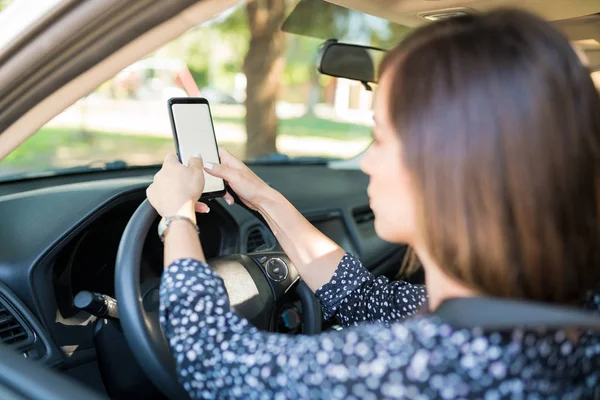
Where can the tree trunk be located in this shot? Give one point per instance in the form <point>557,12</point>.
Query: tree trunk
<point>263,67</point>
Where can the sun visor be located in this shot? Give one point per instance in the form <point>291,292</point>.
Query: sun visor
<point>324,20</point>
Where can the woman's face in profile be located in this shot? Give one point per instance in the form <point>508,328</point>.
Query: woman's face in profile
<point>390,190</point>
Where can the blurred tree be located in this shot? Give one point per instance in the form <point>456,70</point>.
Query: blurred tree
<point>263,66</point>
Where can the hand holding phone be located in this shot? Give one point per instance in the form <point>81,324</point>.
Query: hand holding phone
<point>193,132</point>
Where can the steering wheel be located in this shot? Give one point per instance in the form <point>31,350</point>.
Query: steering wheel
<point>256,284</point>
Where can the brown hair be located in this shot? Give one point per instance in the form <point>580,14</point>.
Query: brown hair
<point>500,125</point>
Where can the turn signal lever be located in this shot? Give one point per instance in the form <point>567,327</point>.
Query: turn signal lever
<point>97,304</point>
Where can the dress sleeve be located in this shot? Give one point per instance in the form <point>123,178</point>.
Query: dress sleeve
<point>220,355</point>
<point>354,295</point>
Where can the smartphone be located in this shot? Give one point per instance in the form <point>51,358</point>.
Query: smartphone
<point>194,132</point>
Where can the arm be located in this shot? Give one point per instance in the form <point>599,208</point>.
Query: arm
<point>182,242</point>
<point>220,355</point>
<point>314,255</point>
<point>354,295</point>
<point>346,289</point>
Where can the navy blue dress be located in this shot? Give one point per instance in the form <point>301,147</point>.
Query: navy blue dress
<point>384,351</point>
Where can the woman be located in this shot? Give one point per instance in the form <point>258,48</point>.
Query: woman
<point>485,160</point>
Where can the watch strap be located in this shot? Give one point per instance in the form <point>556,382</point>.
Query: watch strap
<point>165,222</point>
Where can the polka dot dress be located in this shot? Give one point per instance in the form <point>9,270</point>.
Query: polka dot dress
<point>380,354</point>
<point>354,295</point>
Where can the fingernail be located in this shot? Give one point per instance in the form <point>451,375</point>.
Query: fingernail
<point>207,210</point>
<point>229,201</point>
<point>197,155</point>
<point>208,165</point>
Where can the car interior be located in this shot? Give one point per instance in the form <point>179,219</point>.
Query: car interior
<point>91,230</point>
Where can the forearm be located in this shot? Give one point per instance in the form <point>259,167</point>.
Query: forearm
<point>314,255</point>
<point>181,241</point>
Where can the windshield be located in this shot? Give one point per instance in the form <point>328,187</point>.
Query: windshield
<point>268,102</point>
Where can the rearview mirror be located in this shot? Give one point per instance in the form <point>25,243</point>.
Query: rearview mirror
<point>350,61</point>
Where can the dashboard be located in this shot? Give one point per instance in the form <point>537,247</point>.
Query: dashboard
<point>87,263</point>
<point>60,236</point>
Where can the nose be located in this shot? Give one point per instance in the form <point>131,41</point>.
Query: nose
<point>365,161</point>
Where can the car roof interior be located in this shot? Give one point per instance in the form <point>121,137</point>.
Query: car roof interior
<point>579,20</point>
<point>412,12</point>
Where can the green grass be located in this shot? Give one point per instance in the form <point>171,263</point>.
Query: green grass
<point>49,144</point>
<point>43,143</point>
<point>311,126</point>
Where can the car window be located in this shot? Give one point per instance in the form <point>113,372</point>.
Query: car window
<point>267,99</point>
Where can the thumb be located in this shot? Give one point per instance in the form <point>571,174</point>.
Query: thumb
<point>195,165</point>
<point>195,161</point>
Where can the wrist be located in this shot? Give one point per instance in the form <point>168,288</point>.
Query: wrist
<point>186,210</point>
<point>176,222</point>
<point>270,199</point>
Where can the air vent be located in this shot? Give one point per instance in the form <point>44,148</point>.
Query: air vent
<point>11,330</point>
<point>363,215</point>
<point>255,240</point>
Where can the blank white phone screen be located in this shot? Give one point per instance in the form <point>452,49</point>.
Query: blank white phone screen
<point>195,134</point>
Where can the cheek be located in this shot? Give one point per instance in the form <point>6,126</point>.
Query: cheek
<point>393,204</point>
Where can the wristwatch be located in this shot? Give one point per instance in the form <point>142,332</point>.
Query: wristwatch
<point>166,221</point>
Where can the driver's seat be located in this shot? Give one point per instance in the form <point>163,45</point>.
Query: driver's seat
<point>493,314</point>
